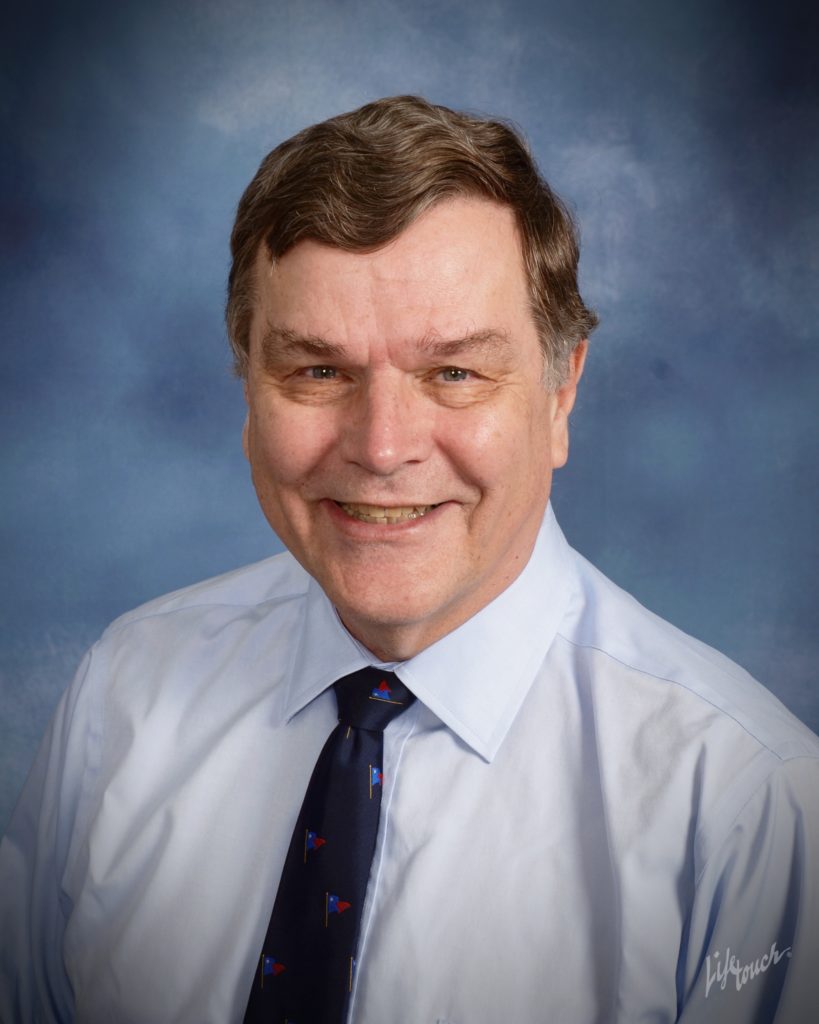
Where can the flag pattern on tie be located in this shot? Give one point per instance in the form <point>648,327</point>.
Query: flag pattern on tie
<point>312,841</point>
<point>382,691</point>
<point>376,778</point>
<point>316,918</point>
<point>271,966</point>
<point>334,905</point>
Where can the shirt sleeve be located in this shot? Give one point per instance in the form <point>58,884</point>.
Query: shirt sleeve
<point>752,951</point>
<point>34,985</point>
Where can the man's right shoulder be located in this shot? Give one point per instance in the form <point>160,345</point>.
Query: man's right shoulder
<point>276,580</point>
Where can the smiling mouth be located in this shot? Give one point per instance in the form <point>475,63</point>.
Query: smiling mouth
<point>384,514</point>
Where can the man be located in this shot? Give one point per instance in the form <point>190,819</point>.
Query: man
<point>585,815</point>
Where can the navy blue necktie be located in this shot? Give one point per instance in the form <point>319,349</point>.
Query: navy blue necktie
<point>306,968</point>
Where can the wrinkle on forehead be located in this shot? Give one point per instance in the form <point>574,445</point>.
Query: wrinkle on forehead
<point>279,343</point>
<point>453,283</point>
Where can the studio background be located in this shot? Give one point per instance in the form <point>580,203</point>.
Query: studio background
<point>686,138</point>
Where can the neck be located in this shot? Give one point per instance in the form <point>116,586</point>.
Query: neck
<point>392,642</point>
<point>402,640</point>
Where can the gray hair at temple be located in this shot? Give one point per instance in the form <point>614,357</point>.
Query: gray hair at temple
<point>358,180</point>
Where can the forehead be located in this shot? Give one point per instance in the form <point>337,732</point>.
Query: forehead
<point>458,268</point>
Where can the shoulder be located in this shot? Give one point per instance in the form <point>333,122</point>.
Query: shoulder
<point>167,677</point>
<point>686,738</point>
<point>662,666</point>
<point>233,633</point>
<point>261,586</point>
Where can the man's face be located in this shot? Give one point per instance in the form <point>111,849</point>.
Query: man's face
<point>400,436</point>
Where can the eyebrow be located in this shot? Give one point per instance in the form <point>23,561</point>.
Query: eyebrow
<point>280,342</point>
<point>486,340</point>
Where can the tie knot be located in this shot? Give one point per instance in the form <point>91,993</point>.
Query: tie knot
<point>371,698</point>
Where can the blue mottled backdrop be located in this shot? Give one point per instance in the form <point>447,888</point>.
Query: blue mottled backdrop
<point>685,135</point>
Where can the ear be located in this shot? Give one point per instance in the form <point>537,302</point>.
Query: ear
<point>563,400</point>
<point>246,426</point>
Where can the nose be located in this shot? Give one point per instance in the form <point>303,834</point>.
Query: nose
<point>387,426</point>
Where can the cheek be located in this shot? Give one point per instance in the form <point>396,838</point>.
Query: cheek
<point>286,448</point>
<point>502,452</point>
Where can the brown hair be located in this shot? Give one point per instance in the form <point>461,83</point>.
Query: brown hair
<point>358,180</point>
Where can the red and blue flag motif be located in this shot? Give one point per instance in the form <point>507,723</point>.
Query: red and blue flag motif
<point>376,778</point>
<point>271,966</point>
<point>314,840</point>
<point>336,905</point>
<point>382,691</point>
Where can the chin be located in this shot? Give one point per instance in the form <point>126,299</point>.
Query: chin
<point>384,613</point>
<point>392,608</point>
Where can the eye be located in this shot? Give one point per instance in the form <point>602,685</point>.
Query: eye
<point>321,372</point>
<point>454,373</point>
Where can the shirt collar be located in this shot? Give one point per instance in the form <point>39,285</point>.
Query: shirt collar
<point>325,651</point>
<point>474,679</point>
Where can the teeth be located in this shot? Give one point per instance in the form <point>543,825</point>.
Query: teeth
<point>385,514</point>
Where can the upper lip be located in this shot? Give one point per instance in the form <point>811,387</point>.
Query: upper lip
<point>392,503</point>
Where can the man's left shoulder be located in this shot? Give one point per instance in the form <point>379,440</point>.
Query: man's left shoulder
<point>664,667</point>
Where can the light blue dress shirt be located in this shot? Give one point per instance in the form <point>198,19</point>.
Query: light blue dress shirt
<point>587,817</point>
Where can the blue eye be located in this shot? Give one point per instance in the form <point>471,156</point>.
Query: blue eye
<point>453,373</point>
<point>322,372</point>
